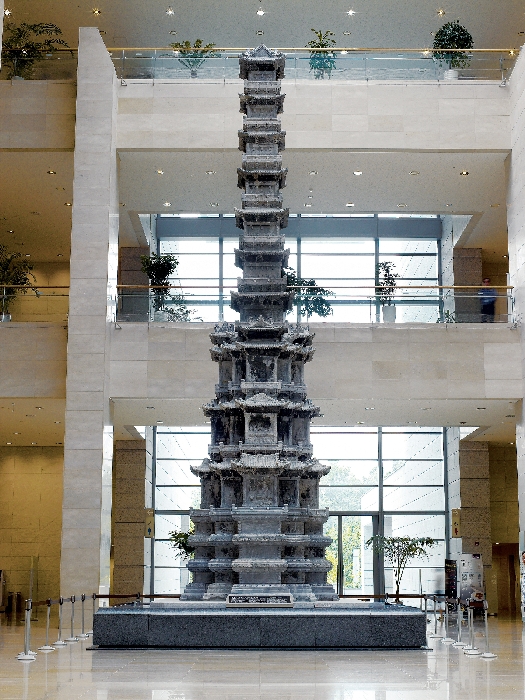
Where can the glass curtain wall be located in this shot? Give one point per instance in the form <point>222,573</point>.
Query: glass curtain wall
<point>206,273</point>
<point>382,481</point>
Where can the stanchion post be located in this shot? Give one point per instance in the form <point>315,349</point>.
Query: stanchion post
<point>459,643</point>
<point>487,654</point>
<point>72,638</point>
<point>435,634</point>
<point>94,597</point>
<point>471,650</point>
<point>47,646</point>
<point>27,654</point>
<point>447,639</point>
<point>82,634</point>
<point>60,642</point>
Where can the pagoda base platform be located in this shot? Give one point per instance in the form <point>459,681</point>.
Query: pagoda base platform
<point>211,625</point>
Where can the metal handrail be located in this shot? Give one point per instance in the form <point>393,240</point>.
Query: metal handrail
<point>306,49</point>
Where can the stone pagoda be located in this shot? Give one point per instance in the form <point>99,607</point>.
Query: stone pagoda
<point>259,531</point>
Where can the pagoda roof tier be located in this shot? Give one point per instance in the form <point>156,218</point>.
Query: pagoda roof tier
<point>261,215</point>
<point>258,326</point>
<point>253,463</point>
<point>264,97</point>
<point>261,137</point>
<point>258,299</point>
<point>276,175</point>
<point>260,200</point>
<point>261,59</point>
<point>264,125</point>
<point>255,285</point>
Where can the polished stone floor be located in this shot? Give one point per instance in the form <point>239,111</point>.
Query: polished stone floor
<point>444,673</point>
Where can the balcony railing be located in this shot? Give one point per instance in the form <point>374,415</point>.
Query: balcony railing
<point>59,65</point>
<point>341,64</point>
<point>349,304</point>
<point>19,303</point>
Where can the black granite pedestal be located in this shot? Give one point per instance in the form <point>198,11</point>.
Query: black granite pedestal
<point>210,625</point>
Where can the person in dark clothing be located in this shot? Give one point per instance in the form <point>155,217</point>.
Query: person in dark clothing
<point>487,296</point>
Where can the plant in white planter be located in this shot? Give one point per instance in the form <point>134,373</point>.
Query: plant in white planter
<point>193,57</point>
<point>386,289</point>
<point>452,36</point>
<point>15,278</point>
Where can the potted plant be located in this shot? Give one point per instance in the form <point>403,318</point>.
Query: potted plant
<point>386,289</point>
<point>322,62</point>
<point>399,551</point>
<point>15,278</point>
<point>193,56</point>
<point>159,269</point>
<point>452,36</point>
<point>307,296</point>
<point>21,50</point>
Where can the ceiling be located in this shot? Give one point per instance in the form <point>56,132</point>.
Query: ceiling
<point>385,182</point>
<point>32,421</point>
<point>33,203</point>
<point>286,23</point>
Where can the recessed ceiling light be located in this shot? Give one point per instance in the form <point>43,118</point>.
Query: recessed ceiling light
<point>350,204</point>
<point>481,408</point>
<point>521,33</point>
<point>370,408</point>
<point>464,173</point>
<point>441,12</point>
<point>159,422</point>
<point>358,172</point>
<point>346,33</point>
<point>17,433</point>
<point>260,12</point>
<point>313,172</point>
<point>310,196</point>
<point>10,231</point>
<point>307,204</point>
<point>343,53</point>
<point>167,204</point>
<point>57,422</point>
<point>448,205</point>
<point>30,415</point>
<point>414,172</point>
<point>214,204</point>
<point>211,172</point>
<point>8,443</point>
<point>96,11</point>
<point>7,13</point>
<point>494,206</point>
<point>504,256</point>
<point>360,422</point>
<point>259,32</point>
<point>67,204</point>
<point>60,255</point>
<point>28,255</point>
<point>173,33</point>
<point>160,172</point>
<point>58,443</point>
<point>170,11</point>
<point>402,205</point>
<point>150,408</point>
<point>351,13</point>
<point>33,443</point>
<point>462,422</point>
<point>51,172</point>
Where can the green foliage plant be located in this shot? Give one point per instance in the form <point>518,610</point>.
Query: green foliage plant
<point>179,542</point>
<point>159,268</point>
<point>193,57</point>
<point>385,282</point>
<point>322,63</point>
<point>452,36</point>
<point>14,270</point>
<point>21,48</point>
<point>399,551</point>
<point>307,295</point>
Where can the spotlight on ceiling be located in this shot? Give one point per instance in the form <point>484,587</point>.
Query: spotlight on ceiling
<point>358,172</point>
<point>464,173</point>
<point>160,172</point>
<point>51,172</point>
<point>350,204</point>
<point>351,13</point>
<point>441,12</point>
<point>96,11</point>
<point>170,11</point>
<point>261,12</point>
<point>167,204</point>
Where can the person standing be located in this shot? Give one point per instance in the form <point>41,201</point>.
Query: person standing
<point>487,296</point>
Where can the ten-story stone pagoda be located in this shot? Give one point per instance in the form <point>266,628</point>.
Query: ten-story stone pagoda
<point>259,531</point>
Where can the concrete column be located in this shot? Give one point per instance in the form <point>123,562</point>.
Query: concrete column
<point>516,233</point>
<point>88,451</point>
<point>128,516</point>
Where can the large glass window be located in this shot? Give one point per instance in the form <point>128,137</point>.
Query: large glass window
<point>346,266</point>
<point>382,481</point>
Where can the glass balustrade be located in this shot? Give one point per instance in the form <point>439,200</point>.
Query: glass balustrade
<point>348,304</point>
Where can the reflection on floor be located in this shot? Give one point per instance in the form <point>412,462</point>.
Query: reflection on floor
<point>444,673</point>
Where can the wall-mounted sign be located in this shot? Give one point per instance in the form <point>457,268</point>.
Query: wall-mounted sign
<point>149,522</point>
<point>456,522</point>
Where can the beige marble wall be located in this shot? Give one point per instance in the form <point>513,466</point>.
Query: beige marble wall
<point>31,518</point>
<point>88,454</point>
<point>329,115</point>
<point>503,493</point>
<point>37,114</point>
<point>33,360</point>
<point>129,478</point>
